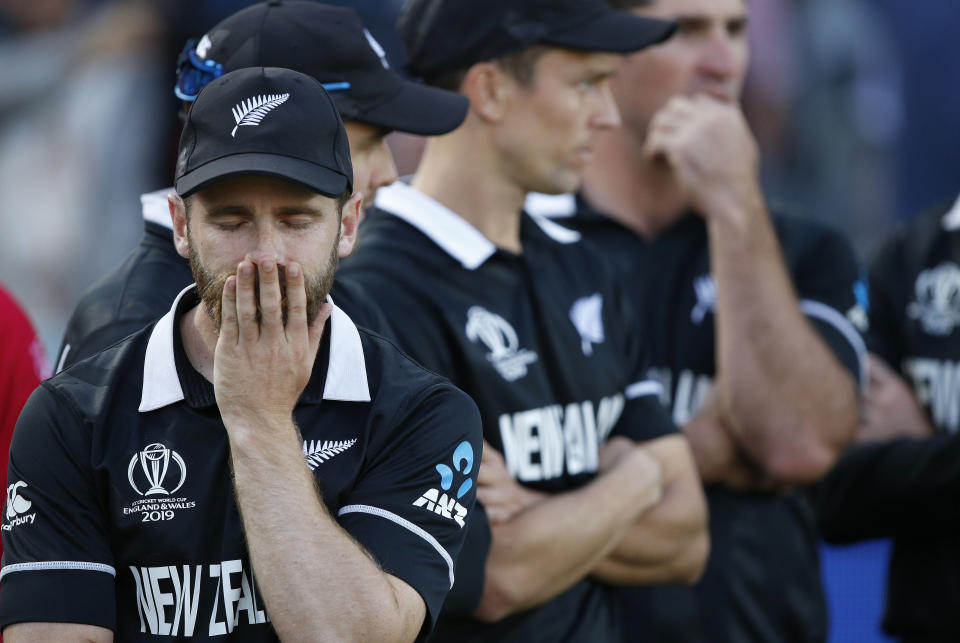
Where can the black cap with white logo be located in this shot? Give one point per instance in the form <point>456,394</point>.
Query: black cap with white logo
<point>444,35</point>
<point>264,121</point>
<point>332,45</point>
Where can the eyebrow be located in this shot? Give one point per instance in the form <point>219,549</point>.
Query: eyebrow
<point>225,210</point>
<point>286,210</point>
<point>298,209</point>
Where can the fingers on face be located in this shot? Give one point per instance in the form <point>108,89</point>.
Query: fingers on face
<point>228,310</point>
<point>271,313</point>
<point>249,329</point>
<point>296,300</point>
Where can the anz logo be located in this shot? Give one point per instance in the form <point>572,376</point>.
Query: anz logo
<point>444,503</point>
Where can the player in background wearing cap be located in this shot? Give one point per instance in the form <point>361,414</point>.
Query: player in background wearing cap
<point>902,480</point>
<point>161,486</point>
<point>328,43</point>
<point>587,480</point>
<point>746,314</point>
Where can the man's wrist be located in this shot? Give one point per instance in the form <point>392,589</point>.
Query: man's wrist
<point>258,429</point>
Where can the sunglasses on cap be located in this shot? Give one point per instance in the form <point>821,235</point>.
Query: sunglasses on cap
<point>193,72</point>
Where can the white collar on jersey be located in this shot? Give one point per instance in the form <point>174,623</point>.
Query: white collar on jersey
<point>951,220</point>
<point>155,208</point>
<point>448,229</point>
<point>346,371</point>
<point>552,206</point>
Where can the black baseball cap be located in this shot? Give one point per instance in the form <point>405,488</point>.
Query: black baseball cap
<point>331,44</point>
<point>445,35</point>
<point>264,121</point>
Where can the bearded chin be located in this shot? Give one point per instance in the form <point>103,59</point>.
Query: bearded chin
<point>210,288</point>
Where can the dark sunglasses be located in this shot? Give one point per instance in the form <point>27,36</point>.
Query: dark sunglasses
<point>193,73</point>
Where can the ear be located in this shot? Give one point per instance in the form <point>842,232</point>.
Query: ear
<point>178,215</point>
<point>489,89</point>
<point>349,222</point>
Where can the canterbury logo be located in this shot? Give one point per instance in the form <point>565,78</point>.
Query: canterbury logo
<point>251,111</point>
<point>317,453</point>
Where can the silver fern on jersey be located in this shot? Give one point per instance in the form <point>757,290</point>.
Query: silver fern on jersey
<point>252,110</point>
<point>317,452</point>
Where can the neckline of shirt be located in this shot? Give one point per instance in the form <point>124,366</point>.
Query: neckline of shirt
<point>448,230</point>
<point>346,373</point>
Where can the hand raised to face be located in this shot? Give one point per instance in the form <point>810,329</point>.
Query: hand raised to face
<point>261,368</point>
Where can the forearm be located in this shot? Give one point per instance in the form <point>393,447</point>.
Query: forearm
<point>784,396</point>
<point>56,633</point>
<point>549,546</point>
<point>286,523</point>
<point>669,543</point>
<point>901,487</point>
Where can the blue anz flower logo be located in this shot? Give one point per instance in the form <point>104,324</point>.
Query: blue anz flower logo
<point>441,502</point>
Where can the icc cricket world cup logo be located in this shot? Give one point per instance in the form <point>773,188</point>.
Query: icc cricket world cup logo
<point>154,464</point>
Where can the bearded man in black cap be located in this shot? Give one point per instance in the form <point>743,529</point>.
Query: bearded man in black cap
<point>328,43</point>
<point>160,487</point>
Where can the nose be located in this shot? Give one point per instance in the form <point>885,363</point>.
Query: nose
<point>606,115</point>
<point>718,60</point>
<point>268,244</point>
<point>383,170</point>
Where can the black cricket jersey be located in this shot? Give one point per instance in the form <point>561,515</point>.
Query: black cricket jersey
<point>138,291</point>
<point>547,346</point>
<point>910,489</point>
<point>762,581</point>
<point>122,511</point>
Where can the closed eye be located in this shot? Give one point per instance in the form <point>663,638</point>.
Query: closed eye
<point>222,224</point>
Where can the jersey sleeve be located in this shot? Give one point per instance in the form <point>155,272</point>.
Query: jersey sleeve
<point>833,296</point>
<point>644,415</point>
<point>74,348</point>
<point>899,488</point>
<point>467,591</point>
<point>887,270</point>
<point>57,564</point>
<point>411,507</point>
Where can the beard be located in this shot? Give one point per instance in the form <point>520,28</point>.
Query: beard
<point>210,287</point>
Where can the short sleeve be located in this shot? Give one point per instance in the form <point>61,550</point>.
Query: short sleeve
<point>644,416</point>
<point>57,564</point>
<point>887,271</point>
<point>412,505</point>
<point>833,296</point>
<point>467,591</point>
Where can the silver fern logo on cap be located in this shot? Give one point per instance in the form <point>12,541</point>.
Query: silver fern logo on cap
<point>251,111</point>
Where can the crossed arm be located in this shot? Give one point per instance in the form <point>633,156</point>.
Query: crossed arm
<point>647,524</point>
<point>543,544</point>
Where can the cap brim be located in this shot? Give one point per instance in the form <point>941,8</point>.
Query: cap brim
<point>419,109</point>
<point>310,175</point>
<point>615,32</point>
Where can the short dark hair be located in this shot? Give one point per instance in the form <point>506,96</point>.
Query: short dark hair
<point>623,5</point>
<point>519,64</point>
